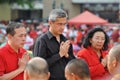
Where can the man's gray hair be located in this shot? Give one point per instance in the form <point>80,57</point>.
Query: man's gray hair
<point>57,13</point>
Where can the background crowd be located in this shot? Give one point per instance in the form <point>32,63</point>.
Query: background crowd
<point>58,43</point>
<point>75,34</point>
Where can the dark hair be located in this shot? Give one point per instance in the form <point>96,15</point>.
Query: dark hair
<point>91,33</point>
<point>12,26</point>
<point>79,67</point>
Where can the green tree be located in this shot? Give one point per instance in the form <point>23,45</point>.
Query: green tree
<point>19,2</point>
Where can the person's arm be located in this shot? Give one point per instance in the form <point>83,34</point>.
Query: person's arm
<point>70,52</point>
<point>11,75</point>
<point>8,76</point>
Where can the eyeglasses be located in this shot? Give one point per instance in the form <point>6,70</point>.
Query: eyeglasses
<point>99,39</point>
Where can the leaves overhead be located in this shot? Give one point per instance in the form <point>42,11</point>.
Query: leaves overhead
<point>19,2</point>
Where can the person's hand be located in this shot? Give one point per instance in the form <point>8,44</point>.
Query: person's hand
<point>68,45</point>
<point>62,50</point>
<point>64,46</point>
<point>104,61</point>
<point>22,61</point>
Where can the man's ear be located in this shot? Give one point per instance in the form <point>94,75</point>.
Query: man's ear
<point>114,62</point>
<point>48,75</point>
<point>26,75</point>
<point>75,77</point>
<point>50,22</point>
<point>9,36</point>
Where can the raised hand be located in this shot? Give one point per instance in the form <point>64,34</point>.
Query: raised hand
<point>104,61</point>
<point>22,61</point>
<point>64,46</point>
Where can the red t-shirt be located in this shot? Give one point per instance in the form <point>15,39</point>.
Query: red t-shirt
<point>9,60</point>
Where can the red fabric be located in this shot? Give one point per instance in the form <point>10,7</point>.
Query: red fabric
<point>9,60</point>
<point>97,70</point>
<point>33,34</point>
<point>79,37</point>
<point>87,18</point>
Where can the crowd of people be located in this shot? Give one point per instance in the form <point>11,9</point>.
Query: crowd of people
<point>59,53</point>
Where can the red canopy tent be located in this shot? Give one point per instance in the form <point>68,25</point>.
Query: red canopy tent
<point>87,18</point>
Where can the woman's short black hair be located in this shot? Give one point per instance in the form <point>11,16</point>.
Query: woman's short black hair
<point>91,33</point>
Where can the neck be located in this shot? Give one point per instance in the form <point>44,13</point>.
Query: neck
<point>116,77</point>
<point>97,52</point>
<point>54,34</point>
<point>13,47</point>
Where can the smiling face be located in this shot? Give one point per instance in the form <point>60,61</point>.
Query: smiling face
<point>18,39</point>
<point>97,41</point>
<point>57,27</point>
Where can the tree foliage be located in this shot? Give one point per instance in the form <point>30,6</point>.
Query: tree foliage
<point>20,2</point>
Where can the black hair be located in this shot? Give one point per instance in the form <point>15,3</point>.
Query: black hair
<point>12,26</point>
<point>91,33</point>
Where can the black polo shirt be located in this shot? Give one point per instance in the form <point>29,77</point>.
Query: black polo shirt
<point>47,46</point>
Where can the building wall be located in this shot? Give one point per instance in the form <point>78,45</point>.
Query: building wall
<point>14,14</point>
<point>96,1</point>
<point>72,9</point>
<point>5,12</point>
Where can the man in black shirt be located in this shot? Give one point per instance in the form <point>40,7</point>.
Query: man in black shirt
<point>53,46</point>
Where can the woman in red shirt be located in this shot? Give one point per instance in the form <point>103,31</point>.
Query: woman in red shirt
<point>94,52</point>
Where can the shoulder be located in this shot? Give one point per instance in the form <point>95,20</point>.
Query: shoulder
<point>42,36</point>
<point>3,52</point>
<point>22,50</point>
<point>3,49</point>
<point>82,51</point>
